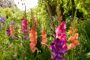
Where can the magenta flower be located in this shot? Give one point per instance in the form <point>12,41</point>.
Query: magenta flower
<point>61,30</point>
<point>24,25</point>
<point>58,46</point>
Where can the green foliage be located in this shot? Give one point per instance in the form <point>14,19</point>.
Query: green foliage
<point>84,39</point>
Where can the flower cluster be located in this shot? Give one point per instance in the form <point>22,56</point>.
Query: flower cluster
<point>24,25</point>
<point>33,39</point>
<point>73,38</point>
<point>44,38</point>
<point>59,46</point>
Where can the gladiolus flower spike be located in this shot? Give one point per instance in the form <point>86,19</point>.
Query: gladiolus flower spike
<point>24,25</point>
<point>58,46</point>
<point>73,39</point>
<point>33,40</point>
<point>44,38</point>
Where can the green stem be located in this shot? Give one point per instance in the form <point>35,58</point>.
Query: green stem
<point>73,8</point>
<point>72,54</point>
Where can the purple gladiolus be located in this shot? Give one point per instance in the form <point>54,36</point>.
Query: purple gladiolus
<point>57,49</point>
<point>58,46</point>
<point>2,19</point>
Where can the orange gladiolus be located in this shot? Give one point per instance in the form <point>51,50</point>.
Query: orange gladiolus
<point>11,30</point>
<point>33,47</point>
<point>71,46</point>
<point>76,42</point>
<point>76,36</point>
<point>44,38</point>
<point>33,40</point>
<point>74,39</point>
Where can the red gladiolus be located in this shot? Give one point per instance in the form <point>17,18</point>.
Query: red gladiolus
<point>24,25</point>
<point>33,40</point>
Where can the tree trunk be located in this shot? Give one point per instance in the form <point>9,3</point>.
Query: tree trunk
<point>73,8</point>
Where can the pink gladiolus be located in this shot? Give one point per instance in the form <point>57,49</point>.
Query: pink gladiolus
<point>24,25</point>
<point>59,46</point>
<point>61,31</point>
